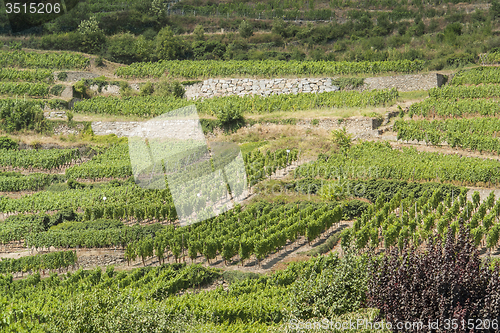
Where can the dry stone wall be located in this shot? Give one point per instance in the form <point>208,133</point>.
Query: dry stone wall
<point>241,87</point>
<point>178,128</point>
<point>185,129</point>
<point>405,82</point>
<point>77,76</point>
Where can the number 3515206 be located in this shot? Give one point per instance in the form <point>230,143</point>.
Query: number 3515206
<point>32,8</point>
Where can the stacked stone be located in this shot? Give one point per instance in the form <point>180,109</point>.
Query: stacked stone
<point>266,87</point>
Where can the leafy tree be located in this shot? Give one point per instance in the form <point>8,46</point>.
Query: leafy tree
<point>245,29</point>
<point>121,48</point>
<point>342,139</point>
<point>447,281</point>
<point>168,47</point>
<point>92,36</point>
<point>199,33</point>
<point>19,115</point>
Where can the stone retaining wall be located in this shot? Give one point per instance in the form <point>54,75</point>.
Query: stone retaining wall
<point>405,82</point>
<point>181,130</point>
<point>241,87</point>
<point>77,76</point>
<point>227,87</point>
<point>178,128</point>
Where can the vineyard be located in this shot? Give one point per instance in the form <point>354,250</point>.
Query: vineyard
<point>24,88</point>
<point>38,60</point>
<point>266,68</point>
<point>50,261</point>
<point>451,108</point>
<point>403,220</point>
<point>151,106</point>
<point>476,134</point>
<point>9,74</point>
<point>479,75</point>
<point>37,159</point>
<point>256,225</point>
<point>378,160</point>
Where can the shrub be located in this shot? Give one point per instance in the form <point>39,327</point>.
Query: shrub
<point>62,76</point>
<point>147,89</point>
<point>8,143</point>
<point>80,90</point>
<point>168,88</point>
<point>18,115</point>
<point>57,89</point>
<point>447,281</point>
<point>245,29</point>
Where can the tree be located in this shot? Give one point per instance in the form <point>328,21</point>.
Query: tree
<point>168,47</point>
<point>92,36</point>
<point>199,33</point>
<point>446,281</point>
<point>342,139</point>
<point>245,29</point>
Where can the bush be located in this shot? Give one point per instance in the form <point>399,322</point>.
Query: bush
<point>228,113</point>
<point>19,115</point>
<point>245,29</point>
<point>167,88</point>
<point>125,89</point>
<point>460,60</point>
<point>80,90</point>
<point>146,89</point>
<point>70,116</point>
<point>8,143</point>
<point>57,89</point>
<point>447,281</point>
<point>62,76</point>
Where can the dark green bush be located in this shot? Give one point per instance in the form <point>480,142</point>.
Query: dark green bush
<point>8,143</point>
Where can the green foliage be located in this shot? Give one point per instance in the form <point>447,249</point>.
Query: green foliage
<point>245,29</point>
<point>267,68</point>
<point>152,106</point>
<point>168,47</point>
<point>167,88</point>
<point>228,113</point>
<point>346,83</point>
<point>146,89</point>
<point>8,143</point>
<point>57,89</point>
<point>80,90</point>
<point>199,33</point>
<point>331,287</point>
<point>24,88</point>
<point>62,76</point>
<point>17,115</point>
<point>54,260</point>
<point>342,139</point>
<point>31,182</point>
<point>378,160</point>
<point>476,133</point>
<point>93,37</point>
<point>10,74</point>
